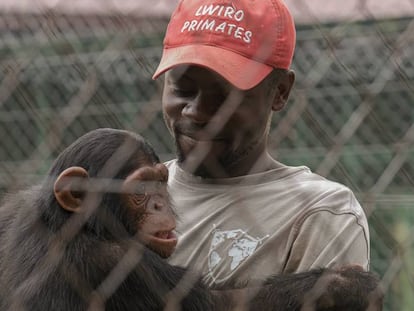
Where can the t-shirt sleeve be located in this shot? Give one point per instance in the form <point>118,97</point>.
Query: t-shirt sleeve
<point>327,238</point>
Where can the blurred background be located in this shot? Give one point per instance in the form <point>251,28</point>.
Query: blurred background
<point>67,67</point>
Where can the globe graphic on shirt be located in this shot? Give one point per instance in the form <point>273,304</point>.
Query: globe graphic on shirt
<point>228,250</point>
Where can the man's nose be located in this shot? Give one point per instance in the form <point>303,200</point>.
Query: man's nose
<point>202,108</point>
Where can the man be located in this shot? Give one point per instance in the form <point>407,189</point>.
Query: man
<point>244,215</point>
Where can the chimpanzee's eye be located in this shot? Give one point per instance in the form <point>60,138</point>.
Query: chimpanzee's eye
<point>139,199</point>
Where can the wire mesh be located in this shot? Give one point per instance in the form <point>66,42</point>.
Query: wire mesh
<point>350,116</point>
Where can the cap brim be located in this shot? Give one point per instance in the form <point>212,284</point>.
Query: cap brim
<point>242,72</point>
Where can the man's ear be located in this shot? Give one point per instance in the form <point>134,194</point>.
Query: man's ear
<point>66,193</point>
<point>285,84</point>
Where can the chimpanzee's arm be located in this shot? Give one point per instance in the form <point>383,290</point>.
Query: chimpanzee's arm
<point>347,289</point>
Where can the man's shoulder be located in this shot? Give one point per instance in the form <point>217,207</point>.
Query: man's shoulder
<point>321,192</point>
<point>308,180</point>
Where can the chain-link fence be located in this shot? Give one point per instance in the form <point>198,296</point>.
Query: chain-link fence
<point>350,116</point>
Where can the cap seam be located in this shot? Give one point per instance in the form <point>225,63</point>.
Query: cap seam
<point>225,48</point>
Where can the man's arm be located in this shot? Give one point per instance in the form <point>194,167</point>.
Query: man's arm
<point>343,289</point>
<point>329,239</point>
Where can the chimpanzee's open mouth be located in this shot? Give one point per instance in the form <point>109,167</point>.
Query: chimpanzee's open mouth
<point>165,235</point>
<point>162,242</point>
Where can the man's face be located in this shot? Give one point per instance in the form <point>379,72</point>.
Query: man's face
<point>218,129</point>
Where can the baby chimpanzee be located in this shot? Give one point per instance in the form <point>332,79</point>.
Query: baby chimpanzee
<point>94,233</point>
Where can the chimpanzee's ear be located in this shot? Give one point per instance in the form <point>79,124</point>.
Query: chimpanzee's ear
<point>68,196</point>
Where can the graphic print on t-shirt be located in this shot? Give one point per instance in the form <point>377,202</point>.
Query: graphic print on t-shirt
<point>228,249</point>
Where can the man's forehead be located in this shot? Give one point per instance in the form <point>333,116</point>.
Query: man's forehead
<point>194,73</point>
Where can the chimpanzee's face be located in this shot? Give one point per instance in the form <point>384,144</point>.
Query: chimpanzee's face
<point>146,198</point>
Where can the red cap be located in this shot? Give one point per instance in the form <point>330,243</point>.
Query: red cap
<point>241,40</point>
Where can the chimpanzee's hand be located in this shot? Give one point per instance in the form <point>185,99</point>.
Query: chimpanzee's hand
<point>349,288</point>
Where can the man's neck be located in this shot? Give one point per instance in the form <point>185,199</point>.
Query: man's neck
<point>210,170</point>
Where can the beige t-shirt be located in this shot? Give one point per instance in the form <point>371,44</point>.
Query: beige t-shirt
<point>284,220</point>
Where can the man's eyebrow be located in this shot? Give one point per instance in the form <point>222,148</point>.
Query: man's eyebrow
<point>178,73</point>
